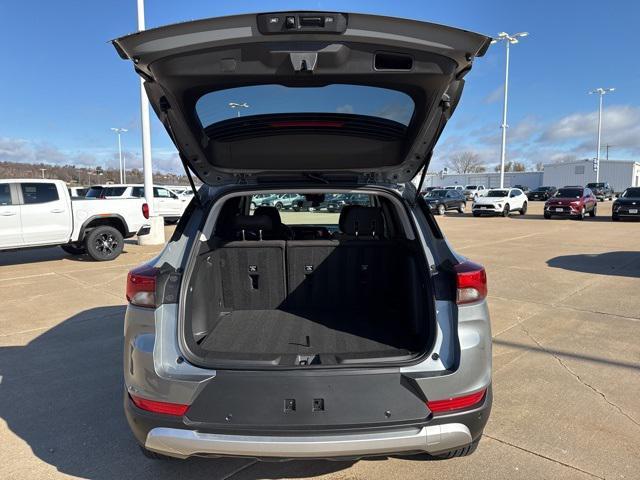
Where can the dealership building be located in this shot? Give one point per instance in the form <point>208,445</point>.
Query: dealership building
<point>620,174</point>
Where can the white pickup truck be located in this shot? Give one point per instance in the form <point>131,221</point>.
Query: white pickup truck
<point>35,213</point>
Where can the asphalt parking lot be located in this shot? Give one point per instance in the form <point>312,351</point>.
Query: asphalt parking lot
<point>565,310</point>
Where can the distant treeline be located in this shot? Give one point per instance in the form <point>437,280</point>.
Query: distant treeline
<point>83,176</point>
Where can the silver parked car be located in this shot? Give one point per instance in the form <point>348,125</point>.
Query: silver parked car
<point>363,335</point>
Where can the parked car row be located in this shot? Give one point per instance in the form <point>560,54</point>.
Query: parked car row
<point>569,201</point>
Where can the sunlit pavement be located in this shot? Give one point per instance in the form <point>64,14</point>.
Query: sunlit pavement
<point>565,308</point>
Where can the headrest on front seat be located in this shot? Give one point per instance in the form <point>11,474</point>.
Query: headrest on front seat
<point>358,220</point>
<point>252,223</point>
<point>271,212</point>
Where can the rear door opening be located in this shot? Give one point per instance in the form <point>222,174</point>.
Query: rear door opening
<point>290,279</point>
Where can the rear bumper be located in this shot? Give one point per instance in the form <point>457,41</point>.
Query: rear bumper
<point>175,437</point>
<point>185,443</point>
<point>144,230</point>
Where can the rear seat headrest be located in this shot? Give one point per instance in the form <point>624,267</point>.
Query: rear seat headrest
<point>271,212</point>
<point>252,223</point>
<point>358,220</point>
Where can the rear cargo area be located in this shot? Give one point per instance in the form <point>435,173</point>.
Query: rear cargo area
<point>307,302</point>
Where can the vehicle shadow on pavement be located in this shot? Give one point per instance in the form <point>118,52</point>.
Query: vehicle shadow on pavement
<point>62,394</point>
<point>44,254</point>
<point>622,264</point>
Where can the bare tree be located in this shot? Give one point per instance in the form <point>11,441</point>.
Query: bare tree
<point>539,167</point>
<point>465,162</point>
<point>518,167</point>
<point>512,167</point>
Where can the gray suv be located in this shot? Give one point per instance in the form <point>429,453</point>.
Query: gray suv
<point>270,334</point>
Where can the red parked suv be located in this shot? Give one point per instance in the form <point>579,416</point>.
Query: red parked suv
<point>574,202</point>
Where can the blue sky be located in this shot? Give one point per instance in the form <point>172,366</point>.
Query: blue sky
<point>63,86</point>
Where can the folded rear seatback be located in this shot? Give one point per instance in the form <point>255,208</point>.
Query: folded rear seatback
<point>252,274</point>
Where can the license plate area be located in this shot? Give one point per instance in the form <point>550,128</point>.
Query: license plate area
<point>560,209</point>
<point>633,210</point>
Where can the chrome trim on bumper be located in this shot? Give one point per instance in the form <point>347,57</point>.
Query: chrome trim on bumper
<point>185,443</point>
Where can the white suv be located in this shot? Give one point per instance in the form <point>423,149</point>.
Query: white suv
<point>331,335</point>
<point>167,203</point>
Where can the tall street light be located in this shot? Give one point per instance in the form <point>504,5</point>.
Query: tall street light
<point>601,92</point>
<point>508,40</point>
<point>119,132</point>
<point>237,106</point>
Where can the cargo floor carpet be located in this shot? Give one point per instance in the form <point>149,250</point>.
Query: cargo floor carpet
<point>309,332</point>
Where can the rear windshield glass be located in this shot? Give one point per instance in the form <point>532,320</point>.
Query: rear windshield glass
<point>277,99</point>
<point>437,193</point>
<point>299,209</point>
<point>595,185</point>
<point>569,193</point>
<point>101,192</point>
<point>631,193</point>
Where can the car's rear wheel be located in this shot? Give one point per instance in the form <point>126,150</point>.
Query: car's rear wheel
<point>592,213</point>
<point>279,205</point>
<point>505,211</point>
<point>441,209</point>
<point>615,218</point>
<point>547,215</point>
<point>523,210</point>
<point>476,214</point>
<point>74,249</point>
<point>104,243</point>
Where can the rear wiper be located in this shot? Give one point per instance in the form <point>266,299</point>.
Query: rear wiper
<point>315,177</point>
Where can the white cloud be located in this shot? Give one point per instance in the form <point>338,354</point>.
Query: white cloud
<point>495,95</point>
<point>347,108</point>
<point>25,151</point>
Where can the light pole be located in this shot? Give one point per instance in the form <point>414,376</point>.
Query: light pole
<point>119,132</point>
<point>508,40</point>
<point>43,170</point>
<point>237,106</point>
<point>601,93</point>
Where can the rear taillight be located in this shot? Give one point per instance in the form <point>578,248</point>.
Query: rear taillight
<point>166,408</point>
<point>456,403</point>
<point>471,282</point>
<point>145,210</point>
<point>141,286</point>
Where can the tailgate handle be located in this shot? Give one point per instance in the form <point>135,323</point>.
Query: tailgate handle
<point>303,61</point>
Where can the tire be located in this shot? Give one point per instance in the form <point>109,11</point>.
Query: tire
<point>547,215</point>
<point>104,243</point>
<point>441,209</point>
<point>615,218</point>
<point>593,212</point>
<point>462,206</point>
<point>523,210</point>
<point>505,212</point>
<point>154,455</point>
<point>74,249</point>
<point>476,214</point>
<point>279,205</point>
<point>582,214</point>
<point>458,452</point>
